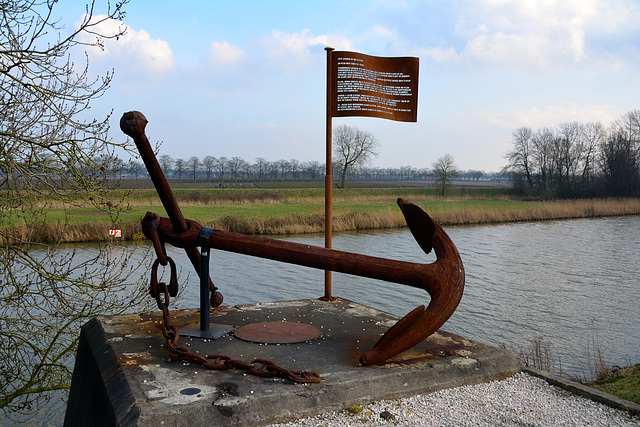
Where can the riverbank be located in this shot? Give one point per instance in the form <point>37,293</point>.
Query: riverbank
<point>288,212</point>
<point>621,382</point>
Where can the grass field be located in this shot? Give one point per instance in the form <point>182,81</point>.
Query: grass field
<point>301,210</point>
<point>621,382</point>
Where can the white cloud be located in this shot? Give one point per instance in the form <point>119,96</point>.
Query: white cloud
<point>502,48</point>
<point>382,40</point>
<point>134,51</point>
<point>225,54</point>
<point>550,115</point>
<point>440,54</point>
<point>549,34</point>
<point>381,31</point>
<point>292,50</point>
<point>295,44</point>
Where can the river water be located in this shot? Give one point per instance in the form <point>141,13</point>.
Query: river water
<point>571,282</point>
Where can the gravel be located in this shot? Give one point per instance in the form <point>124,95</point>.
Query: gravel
<point>521,400</point>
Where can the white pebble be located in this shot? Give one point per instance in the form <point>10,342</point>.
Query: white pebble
<point>518,400</point>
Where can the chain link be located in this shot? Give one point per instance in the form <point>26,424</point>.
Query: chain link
<point>259,367</point>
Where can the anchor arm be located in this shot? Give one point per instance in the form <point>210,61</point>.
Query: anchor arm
<point>446,290</point>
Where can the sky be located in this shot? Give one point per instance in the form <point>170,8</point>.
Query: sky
<point>248,78</point>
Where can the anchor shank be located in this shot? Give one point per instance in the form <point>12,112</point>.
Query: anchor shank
<point>422,276</point>
<point>412,274</point>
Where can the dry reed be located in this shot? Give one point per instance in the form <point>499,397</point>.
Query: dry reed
<point>584,208</point>
<point>58,232</point>
<point>537,354</point>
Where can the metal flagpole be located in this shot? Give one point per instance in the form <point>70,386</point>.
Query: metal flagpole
<point>328,181</point>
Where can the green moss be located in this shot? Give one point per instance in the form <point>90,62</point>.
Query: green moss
<point>623,383</point>
<point>355,409</point>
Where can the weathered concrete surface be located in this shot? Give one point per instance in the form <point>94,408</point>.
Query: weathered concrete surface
<point>123,365</point>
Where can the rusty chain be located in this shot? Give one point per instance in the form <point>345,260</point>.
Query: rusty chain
<point>150,229</point>
<point>260,367</point>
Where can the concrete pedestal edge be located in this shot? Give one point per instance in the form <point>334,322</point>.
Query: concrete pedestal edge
<point>98,378</point>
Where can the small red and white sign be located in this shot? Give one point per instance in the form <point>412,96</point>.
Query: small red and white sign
<point>115,232</point>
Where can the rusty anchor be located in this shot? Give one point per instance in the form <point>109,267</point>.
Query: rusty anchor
<point>443,279</point>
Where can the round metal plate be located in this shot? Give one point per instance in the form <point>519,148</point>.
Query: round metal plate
<point>277,332</point>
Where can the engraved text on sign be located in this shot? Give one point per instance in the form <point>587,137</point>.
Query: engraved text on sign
<point>372,86</point>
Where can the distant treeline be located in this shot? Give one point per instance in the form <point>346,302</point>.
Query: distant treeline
<point>236,169</point>
<point>578,159</point>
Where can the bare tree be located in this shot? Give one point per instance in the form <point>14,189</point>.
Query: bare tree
<point>313,169</point>
<point>628,125</point>
<point>352,147</point>
<point>444,170</point>
<point>52,151</point>
<point>591,136</point>
<point>568,155</point>
<point>575,158</point>
<point>209,163</point>
<point>193,163</point>
<point>620,155</point>
<point>260,167</point>
<point>180,164</point>
<point>244,169</point>
<point>316,169</point>
<point>283,167</point>
<point>543,141</point>
<point>476,174</point>
<point>235,165</point>
<point>136,168</point>
<point>520,156</point>
<point>222,164</point>
<point>294,167</point>
<point>166,163</point>
<point>273,168</point>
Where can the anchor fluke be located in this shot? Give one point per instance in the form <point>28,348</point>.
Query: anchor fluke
<point>443,280</point>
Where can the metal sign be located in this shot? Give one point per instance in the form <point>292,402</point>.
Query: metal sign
<point>373,86</point>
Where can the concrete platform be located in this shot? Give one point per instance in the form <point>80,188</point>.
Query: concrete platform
<point>123,374</point>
